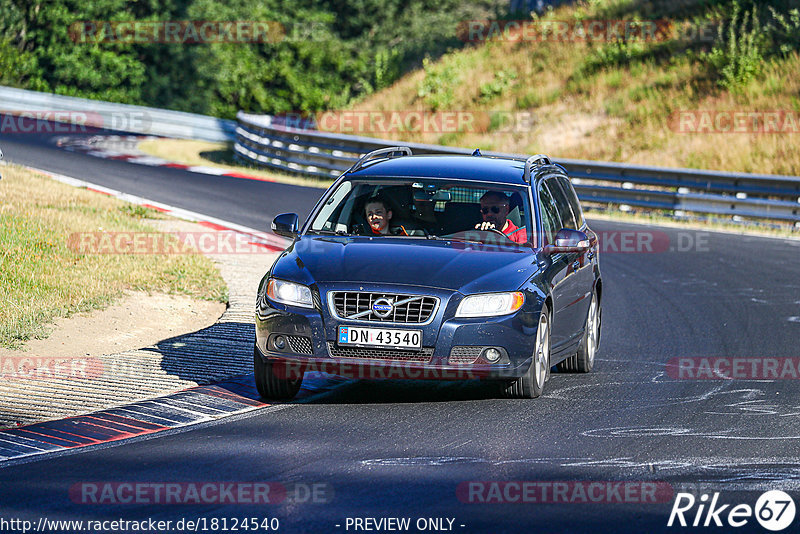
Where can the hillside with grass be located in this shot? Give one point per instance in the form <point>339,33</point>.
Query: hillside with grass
<point>638,100</point>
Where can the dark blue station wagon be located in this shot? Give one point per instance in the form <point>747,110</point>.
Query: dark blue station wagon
<point>437,267</point>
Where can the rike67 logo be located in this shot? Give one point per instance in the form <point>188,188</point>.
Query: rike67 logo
<point>774,510</point>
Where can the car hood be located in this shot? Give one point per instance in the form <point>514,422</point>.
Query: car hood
<point>454,265</point>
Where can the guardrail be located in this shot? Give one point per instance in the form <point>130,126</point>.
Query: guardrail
<point>262,140</point>
<point>121,117</point>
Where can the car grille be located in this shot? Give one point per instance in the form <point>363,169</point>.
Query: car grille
<point>300,344</point>
<point>421,356</point>
<point>355,305</point>
<point>464,354</point>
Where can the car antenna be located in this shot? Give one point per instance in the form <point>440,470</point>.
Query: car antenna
<point>477,152</point>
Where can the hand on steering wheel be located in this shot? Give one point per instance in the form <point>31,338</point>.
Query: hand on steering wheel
<point>489,227</point>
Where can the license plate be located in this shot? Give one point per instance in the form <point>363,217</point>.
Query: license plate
<point>380,337</point>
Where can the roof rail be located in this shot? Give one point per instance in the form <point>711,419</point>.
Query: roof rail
<point>389,152</point>
<point>534,162</point>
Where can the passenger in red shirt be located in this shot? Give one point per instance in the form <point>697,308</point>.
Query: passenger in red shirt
<point>494,209</point>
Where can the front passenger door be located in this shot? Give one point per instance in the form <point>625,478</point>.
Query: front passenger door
<point>558,269</point>
<point>574,311</point>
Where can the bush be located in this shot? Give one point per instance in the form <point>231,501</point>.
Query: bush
<point>739,55</point>
<point>437,88</point>
<point>787,30</point>
<point>502,81</point>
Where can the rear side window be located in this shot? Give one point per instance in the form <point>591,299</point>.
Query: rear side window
<point>572,197</point>
<point>564,209</point>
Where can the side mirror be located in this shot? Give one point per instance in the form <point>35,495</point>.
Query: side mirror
<point>286,224</point>
<point>568,240</point>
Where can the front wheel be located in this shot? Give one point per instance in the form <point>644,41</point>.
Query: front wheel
<point>269,384</point>
<point>531,384</point>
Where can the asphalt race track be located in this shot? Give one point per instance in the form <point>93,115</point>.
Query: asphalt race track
<point>433,450</point>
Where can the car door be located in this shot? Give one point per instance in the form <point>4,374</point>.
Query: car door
<point>582,266</point>
<point>571,315</point>
<point>556,272</point>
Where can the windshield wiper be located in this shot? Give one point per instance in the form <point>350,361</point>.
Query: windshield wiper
<point>463,240</point>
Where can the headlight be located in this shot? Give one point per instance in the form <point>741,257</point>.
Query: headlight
<point>490,304</point>
<point>289,293</point>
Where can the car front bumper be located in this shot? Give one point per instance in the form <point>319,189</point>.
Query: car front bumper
<point>451,348</point>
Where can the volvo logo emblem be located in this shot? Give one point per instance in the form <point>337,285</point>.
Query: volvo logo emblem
<point>383,308</point>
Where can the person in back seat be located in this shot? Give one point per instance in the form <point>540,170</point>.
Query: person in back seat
<point>495,209</point>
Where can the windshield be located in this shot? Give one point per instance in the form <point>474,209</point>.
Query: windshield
<point>431,209</point>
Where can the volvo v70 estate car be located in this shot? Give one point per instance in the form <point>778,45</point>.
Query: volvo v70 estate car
<point>431,266</point>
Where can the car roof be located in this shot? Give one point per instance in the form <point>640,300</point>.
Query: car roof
<point>485,169</point>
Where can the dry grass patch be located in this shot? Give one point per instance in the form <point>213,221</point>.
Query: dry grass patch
<point>188,151</point>
<point>42,278</point>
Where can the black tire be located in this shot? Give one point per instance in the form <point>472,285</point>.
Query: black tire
<point>531,384</point>
<point>271,386</point>
<point>583,360</point>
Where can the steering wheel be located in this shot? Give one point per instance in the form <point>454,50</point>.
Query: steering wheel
<point>496,231</point>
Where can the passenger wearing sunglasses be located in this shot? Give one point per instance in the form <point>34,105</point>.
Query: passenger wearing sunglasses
<point>494,209</point>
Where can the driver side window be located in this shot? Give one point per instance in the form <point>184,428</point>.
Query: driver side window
<point>560,199</point>
<point>550,217</point>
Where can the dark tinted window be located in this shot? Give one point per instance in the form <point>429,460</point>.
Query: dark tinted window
<point>550,219</point>
<point>567,218</point>
<point>572,197</point>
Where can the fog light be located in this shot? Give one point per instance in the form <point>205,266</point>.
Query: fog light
<point>491,355</point>
<point>280,342</point>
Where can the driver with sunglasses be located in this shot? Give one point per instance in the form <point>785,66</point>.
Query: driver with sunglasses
<point>495,208</point>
